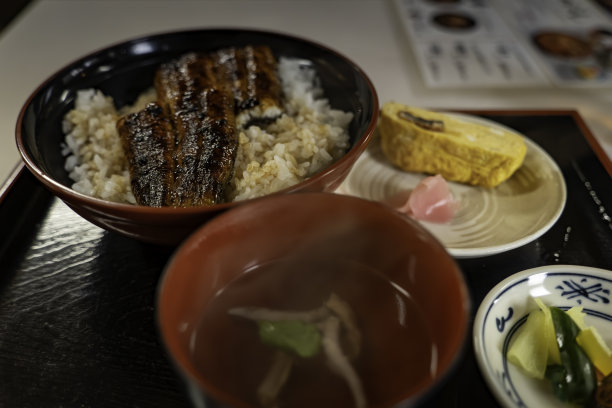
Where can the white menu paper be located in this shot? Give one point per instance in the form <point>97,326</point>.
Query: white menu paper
<point>494,43</point>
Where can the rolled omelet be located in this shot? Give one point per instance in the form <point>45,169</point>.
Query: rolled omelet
<point>423,141</point>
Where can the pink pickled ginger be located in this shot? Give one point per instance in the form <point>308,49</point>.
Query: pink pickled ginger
<point>431,200</point>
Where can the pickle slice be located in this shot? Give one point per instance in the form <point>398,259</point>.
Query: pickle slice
<point>529,347</point>
<point>554,357</point>
<point>596,348</point>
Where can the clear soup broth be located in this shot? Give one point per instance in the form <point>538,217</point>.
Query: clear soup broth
<point>397,352</point>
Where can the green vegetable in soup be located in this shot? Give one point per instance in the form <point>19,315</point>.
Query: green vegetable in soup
<point>303,339</point>
<point>303,334</point>
<point>574,380</point>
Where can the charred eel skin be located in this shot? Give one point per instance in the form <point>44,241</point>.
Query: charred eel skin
<point>201,109</point>
<point>148,141</point>
<point>251,71</point>
<point>190,135</point>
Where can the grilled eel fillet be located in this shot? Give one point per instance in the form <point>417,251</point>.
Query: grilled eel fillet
<point>202,98</point>
<point>251,71</point>
<point>201,108</point>
<point>148,140</point>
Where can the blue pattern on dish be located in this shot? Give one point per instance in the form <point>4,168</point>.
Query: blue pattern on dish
<point>501,321</point>
<point>576,289</point>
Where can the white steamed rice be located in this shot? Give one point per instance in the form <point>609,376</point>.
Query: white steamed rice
<point>307,138</point>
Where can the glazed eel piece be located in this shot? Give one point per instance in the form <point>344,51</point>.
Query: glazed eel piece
<point>189,136</point>
<point>201,108</point>
<point>251,71</point>
<point>148,141</point>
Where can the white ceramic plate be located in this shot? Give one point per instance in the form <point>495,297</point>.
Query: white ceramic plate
<point>505,308</point>
<point>489,221</point>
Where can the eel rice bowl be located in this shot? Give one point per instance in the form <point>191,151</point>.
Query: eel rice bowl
<point>271,155</point>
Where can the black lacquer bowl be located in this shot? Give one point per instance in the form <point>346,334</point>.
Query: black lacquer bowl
<point>126,69</point>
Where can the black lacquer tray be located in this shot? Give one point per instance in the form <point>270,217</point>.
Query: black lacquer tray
<point>77,303</point>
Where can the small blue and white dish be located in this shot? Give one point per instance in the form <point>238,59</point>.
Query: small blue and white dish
<point>505,309</point>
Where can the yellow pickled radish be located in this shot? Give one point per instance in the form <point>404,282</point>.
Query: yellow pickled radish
<point>550,335</point>
<point>529,347</point>
<point>596,348</point>
<point>577,316</point>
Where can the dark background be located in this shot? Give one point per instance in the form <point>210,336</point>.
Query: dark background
<point>9,9</point>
